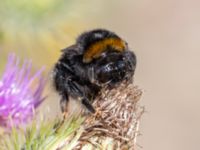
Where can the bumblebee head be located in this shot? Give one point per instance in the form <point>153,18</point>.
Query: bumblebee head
<point>100,41</point>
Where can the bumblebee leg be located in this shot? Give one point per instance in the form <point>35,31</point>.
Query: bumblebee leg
<point>76,88</point>
<point>88,105</point>
<point>63,105</point>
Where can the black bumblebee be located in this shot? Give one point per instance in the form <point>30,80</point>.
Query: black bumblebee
<point>99,58</point>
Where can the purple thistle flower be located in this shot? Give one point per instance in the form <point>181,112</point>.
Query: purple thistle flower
<point>19,93</point>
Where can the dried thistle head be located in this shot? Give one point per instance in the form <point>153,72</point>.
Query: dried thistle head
<point>115,124</point>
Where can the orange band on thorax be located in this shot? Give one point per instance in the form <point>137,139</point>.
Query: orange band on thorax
<point>96,49</point>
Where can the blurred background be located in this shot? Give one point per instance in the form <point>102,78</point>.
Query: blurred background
<point>164,35</point>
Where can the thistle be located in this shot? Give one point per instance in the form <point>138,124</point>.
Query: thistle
<point>20,94</point>
<point>115,126</point>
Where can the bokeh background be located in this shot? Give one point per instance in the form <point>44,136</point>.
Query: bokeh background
<point>164,35</point>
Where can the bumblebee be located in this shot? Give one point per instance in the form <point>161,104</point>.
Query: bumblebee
<point>99,58</point>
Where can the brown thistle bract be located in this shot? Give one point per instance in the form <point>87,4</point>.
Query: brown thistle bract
<point>116,122</point>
